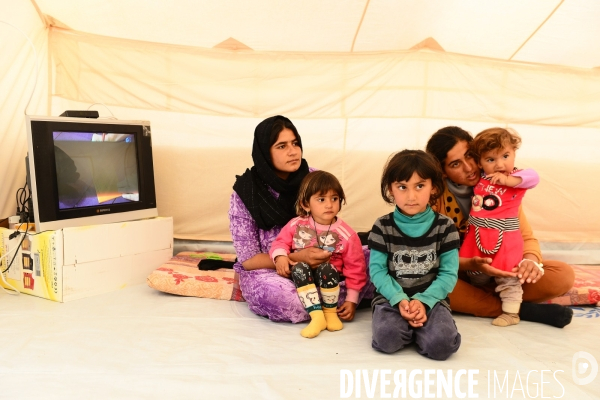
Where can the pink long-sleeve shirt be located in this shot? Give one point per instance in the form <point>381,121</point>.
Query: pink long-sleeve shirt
<point>347,255</point>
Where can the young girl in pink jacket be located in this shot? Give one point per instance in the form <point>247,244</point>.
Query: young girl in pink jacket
<point>319,201</point>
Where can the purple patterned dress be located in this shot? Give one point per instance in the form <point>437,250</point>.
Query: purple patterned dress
<point>267,293</point>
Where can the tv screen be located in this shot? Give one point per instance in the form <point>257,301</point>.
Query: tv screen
<point>95,168</point>
<point>86,172</point>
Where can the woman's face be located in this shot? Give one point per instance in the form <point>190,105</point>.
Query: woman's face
<point>460,167</point>
<point>286,154</point>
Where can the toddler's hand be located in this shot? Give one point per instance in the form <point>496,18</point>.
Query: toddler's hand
<point>282,266</point>
<point>506,180</point>
<point>346,311</point>
<point>498,177</point>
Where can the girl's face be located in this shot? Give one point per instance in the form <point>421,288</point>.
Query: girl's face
<point>412,196</point>
<point>498,160</point>
<point>324,207</point>
<point>460,167</point>
<point>286,154</point>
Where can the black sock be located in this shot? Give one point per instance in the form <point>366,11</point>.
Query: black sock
<point>549,314</point>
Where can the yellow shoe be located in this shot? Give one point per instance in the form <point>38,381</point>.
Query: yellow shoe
<point>333,321</point>
<point>506,319</point>
<point>316,325</point>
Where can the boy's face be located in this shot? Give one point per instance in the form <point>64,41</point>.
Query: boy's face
<point>499,160</point>
<point>324,207</point>
<point>412,196</point>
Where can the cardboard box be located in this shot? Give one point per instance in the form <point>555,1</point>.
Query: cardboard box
<point>74,263</point>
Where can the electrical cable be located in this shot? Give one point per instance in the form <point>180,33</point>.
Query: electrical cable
<point>23,196</point>
<point>113,115</point>
<point>16,233</point>
<point>22,199</point>
<point>37,67</point>
<point>16,248</point>
<point>26,203</point>
<point>5,255</point>
<point>13,290</point>
<point>20,203</point>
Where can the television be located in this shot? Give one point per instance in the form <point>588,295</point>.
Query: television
<point>86,171</point>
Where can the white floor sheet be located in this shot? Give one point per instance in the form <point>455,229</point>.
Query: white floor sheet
<point>138,343</point>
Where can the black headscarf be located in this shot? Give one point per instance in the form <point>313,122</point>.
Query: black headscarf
<point>252,186</point>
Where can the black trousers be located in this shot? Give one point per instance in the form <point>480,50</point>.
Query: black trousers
<point>325,275</point>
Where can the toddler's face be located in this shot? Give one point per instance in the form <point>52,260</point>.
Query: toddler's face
<point>324,207</point>
<point>498,160</point>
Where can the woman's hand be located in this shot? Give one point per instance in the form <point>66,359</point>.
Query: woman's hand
<point>282,265</point>
<point>528,271</point>
<point>346,311</point>
<point>484,265</point>
<point>313,256</point>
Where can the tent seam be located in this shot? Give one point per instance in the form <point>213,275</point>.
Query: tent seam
<point>359,26</point>
<point>40,14</point>
<point>536,30</point>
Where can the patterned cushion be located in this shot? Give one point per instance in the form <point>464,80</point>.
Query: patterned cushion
<point>180,275</point>
<point>585,290</point>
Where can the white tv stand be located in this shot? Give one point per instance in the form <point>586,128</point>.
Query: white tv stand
<point>73,263</point>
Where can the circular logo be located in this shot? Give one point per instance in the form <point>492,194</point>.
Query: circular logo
<point>584,363</point>
<point>491,202</point>
<point>477,202</point>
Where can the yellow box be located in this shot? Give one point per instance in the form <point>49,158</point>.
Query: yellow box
<point>73,263</point>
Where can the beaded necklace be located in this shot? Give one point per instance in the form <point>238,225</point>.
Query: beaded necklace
<point>319,245</point>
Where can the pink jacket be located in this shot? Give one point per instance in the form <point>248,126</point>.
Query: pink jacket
<point>347,255</point>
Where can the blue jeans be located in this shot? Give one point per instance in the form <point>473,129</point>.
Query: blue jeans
<point>437,339</point>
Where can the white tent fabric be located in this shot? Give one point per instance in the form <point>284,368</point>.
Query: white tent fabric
<point>359,79</point>
<point>17,80</point>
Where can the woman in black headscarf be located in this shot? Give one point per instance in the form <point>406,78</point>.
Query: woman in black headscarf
<point>261,204</point>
